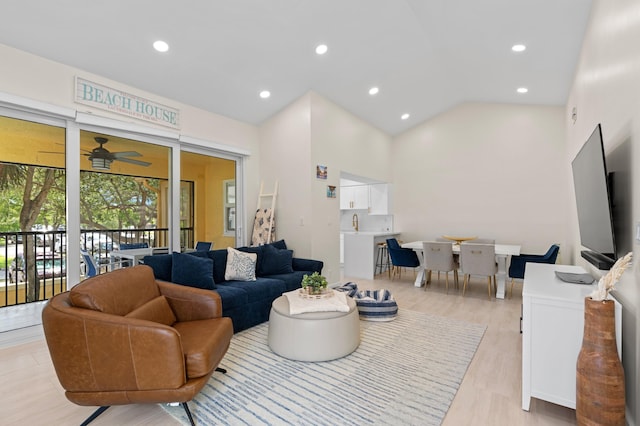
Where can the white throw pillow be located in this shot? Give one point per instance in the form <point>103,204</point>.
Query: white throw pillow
<point>241,266</point>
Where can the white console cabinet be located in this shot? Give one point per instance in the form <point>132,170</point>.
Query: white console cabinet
<point>552,327</point>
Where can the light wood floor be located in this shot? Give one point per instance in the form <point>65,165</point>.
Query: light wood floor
<point>490,393</point>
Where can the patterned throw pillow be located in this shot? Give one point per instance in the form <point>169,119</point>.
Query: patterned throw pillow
<point>240,266</point>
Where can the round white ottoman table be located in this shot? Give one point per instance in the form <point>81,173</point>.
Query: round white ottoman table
<point>313,336</point>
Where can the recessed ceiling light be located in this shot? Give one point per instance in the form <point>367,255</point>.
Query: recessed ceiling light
<point>522,90</point>
<point>321,49</point>
<point>518,47</point>
<point>405,116</point>
<point>160,46</point>
<point>374,91</point>
<point>265,94</point>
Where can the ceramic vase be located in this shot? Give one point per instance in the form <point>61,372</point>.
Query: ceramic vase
<point>600,394</point>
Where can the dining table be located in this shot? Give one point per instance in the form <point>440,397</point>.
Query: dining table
<point>503,251</point>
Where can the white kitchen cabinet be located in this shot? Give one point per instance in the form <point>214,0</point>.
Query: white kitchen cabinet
<point>354,197</point>
<point>380,198</point>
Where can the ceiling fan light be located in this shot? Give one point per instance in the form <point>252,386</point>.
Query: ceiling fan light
<point>100,163</point>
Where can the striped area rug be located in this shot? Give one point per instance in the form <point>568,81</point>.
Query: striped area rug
<point>405,372</point>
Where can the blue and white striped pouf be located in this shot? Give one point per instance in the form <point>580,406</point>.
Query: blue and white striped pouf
<point>373,305</point>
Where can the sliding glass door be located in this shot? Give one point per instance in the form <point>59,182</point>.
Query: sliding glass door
<point>209,182</point>
<point>32,210</point>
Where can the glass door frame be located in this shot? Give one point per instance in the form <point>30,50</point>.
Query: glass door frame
<point>74,121</point>
<point>239,161</point>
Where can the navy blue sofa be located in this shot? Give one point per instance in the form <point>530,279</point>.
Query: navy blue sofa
<point>247,303</point>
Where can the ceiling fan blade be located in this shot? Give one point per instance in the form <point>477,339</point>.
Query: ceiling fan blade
<point>125,154</point>
<point>137,162</point>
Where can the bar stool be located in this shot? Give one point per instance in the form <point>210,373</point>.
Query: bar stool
<point>383,263</point>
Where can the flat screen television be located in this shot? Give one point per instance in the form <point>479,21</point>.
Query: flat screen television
<point>595,219</point>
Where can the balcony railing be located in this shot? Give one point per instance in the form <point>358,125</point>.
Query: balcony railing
<point>45,252</point>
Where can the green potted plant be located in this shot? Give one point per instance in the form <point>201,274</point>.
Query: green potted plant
<point>314,283</point>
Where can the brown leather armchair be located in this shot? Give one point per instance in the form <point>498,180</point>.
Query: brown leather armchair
<point>124,338</point>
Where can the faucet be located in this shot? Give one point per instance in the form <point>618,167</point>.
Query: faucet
<point>354,221</point>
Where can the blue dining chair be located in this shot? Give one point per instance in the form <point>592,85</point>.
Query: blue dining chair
<point>518,263</point>
<point>401,257</point>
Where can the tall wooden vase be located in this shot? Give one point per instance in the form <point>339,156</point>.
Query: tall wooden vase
<point>600,398</point>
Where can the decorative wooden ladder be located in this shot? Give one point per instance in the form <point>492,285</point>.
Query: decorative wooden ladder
<point>264,226</point>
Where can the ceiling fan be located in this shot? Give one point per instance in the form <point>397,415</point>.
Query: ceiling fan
<point>101,159</point>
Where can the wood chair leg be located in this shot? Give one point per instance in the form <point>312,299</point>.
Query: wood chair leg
<point>446,280</point>
<point>489,287</point>
<point>511,291</point>
<point>455,279</point>
<point>464,284</point>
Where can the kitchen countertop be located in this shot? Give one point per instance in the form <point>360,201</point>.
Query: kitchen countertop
<point>370,233</point>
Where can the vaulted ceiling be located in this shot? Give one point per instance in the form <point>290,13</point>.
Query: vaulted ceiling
<point>425,56</point>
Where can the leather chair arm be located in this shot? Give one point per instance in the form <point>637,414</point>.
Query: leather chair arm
<point>190,303</point>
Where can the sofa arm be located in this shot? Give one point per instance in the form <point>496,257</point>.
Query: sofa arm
<point>307,265</point>
<point>190,303</point>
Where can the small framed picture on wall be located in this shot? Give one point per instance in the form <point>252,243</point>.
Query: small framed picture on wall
<point>321,172</point>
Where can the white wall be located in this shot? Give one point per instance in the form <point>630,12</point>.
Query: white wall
<point>286,157</point>
<point>314,131</point>
<point>39,79</point>
<point>606,90</point>
<point>488,170</point>
<point>344,143</point>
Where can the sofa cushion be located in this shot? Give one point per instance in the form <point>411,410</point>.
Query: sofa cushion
<point>291,280</point>
<point>280,244</point>
<point>161,265</point>
<point>258,251</point>
<point>219,258</point>
<point>197,253</point>
<point>231,297</point>
<point>261,289</point>
<point>275,261</point>
<point>156,310</point>
<point>240,266</point>
<point>193,271</point>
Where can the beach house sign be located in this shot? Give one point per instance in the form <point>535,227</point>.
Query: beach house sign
<point>109,99</point>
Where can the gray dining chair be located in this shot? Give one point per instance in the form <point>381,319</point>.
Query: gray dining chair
<point>478,259</point>
<point>438,256</point>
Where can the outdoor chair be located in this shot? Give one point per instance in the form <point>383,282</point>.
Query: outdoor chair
<point>203,246</point>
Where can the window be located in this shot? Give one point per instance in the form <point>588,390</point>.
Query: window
<point>229,193</point>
